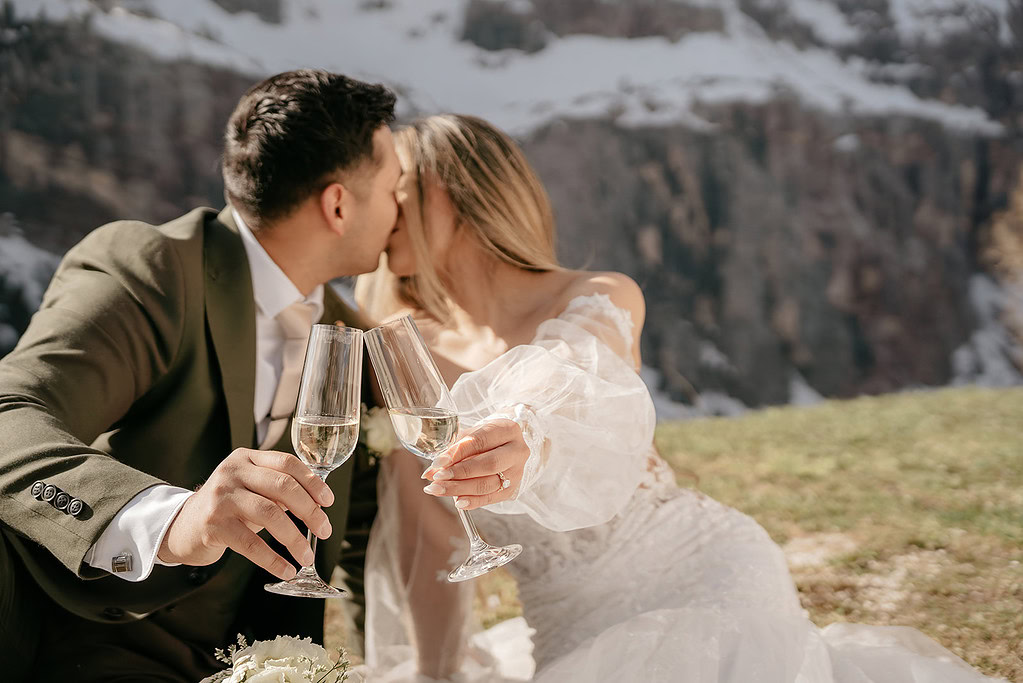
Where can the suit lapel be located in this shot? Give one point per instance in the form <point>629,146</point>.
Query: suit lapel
<point>231,320</point>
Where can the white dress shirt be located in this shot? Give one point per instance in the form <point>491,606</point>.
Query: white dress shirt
<point>139,527</point>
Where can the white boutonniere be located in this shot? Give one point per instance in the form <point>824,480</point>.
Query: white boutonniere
<point>285,659</point>
<point>376,432</point>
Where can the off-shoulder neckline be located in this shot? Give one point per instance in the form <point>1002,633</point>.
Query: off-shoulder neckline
<point>621,317</point>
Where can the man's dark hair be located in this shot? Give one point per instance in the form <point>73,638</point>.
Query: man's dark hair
<point>290,134</point>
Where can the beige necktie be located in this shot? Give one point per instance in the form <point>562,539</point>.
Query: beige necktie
<point>296,321</point>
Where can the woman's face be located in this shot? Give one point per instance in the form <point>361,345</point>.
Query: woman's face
<point>439,227</point>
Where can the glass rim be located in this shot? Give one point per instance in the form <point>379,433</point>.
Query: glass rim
<point>401,319</point>
<point>335,330</point>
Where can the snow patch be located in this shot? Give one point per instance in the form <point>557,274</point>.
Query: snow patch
<point>25,269</point>
<point>993,356</point>
<point>826,21</point>
<point>403,45</point>
<point>707,403</point>
<point>800,391</point>
<point>850,142</point>
<point>934,20</point>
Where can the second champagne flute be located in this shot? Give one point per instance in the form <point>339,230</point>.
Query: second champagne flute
<point>325,429</point>
<point>425,420</point>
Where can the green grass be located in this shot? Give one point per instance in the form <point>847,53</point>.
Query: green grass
<point>925,488</point>
<point>915,501</point>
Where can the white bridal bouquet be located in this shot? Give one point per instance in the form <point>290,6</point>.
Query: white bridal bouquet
<point>285,659</point>
<point>376,432</point>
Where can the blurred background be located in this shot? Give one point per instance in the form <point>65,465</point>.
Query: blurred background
<point>820,198</point>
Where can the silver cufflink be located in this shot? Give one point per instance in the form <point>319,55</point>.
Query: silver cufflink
<point>121,563</point>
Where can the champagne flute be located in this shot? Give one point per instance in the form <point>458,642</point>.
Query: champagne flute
<point>325,428</point>
<point>425,420</point>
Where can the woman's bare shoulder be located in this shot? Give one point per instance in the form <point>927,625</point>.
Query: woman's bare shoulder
<point>620,288</point>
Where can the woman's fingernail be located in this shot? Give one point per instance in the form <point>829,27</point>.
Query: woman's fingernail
<point>442,461</point>
<point>443,475</point>
<point>434,489</point>
<point>425,475</point>
<point>461,503</point>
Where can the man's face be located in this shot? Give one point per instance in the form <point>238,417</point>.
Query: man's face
<point>375,205</point>
<point>439,226</point>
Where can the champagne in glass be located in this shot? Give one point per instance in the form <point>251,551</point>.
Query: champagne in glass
<point>320,441</point>
<point>427,432</point>
<point>325,429</point>
<point>425,420</point>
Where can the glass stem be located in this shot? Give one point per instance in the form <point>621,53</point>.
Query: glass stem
<point>311,569</point>
<point>311,537</point>
<point>476,543</point>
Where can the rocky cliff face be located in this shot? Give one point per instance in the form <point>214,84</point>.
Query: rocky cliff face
<point>781,248</point>
<point>93,131</point>
<point>781,243</point>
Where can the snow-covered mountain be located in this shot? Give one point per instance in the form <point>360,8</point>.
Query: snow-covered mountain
<point>805,189</point>
<point>417,47</point>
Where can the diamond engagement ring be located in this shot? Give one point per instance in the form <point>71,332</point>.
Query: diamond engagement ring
<point>505,481</point>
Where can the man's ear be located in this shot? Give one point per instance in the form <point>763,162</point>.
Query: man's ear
<point>335,203</point>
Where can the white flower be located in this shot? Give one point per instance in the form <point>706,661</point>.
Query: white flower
<point>279,674</point>
<point>285,659</point>
<point>376,431</point>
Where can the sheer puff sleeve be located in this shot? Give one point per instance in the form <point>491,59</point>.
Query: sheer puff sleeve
<point>586,415</point>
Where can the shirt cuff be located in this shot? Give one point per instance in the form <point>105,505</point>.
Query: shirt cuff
<point>138,530</point>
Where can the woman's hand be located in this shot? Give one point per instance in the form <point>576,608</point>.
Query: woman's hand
<point>469,470</point>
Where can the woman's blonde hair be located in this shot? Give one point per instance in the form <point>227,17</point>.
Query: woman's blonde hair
<point>495,194</point>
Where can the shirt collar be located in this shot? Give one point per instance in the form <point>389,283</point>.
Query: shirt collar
<point>272,289</point>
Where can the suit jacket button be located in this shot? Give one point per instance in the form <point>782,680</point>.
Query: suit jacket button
<point>37,490</point>
<point>75,507</point>
<point>62,501</point>
<point>113,613</point>
<point>50,492</point>
<point>197,577</point>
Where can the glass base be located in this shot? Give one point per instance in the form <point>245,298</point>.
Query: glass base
<point>482,561</point>
<point>306,584</point>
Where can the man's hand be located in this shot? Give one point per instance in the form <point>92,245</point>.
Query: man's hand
<point>248,492</point>
<point>469,469</point>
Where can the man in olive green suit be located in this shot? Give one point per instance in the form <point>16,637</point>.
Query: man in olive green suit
<point>144,472</point>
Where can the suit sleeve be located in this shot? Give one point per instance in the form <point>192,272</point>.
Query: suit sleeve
<point>109,327</point>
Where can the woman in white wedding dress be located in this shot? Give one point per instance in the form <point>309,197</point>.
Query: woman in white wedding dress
<point>624,576</point>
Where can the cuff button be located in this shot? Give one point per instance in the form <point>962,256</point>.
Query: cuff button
<point>75,507</point>
<point>50,492</point>
<point>62,501</point>
<point>37,490</point>
<point>121,563</point>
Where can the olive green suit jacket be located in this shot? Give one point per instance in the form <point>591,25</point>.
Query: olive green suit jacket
<point>138,369</point>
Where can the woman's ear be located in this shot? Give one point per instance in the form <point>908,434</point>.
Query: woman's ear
<point>334,207</point>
